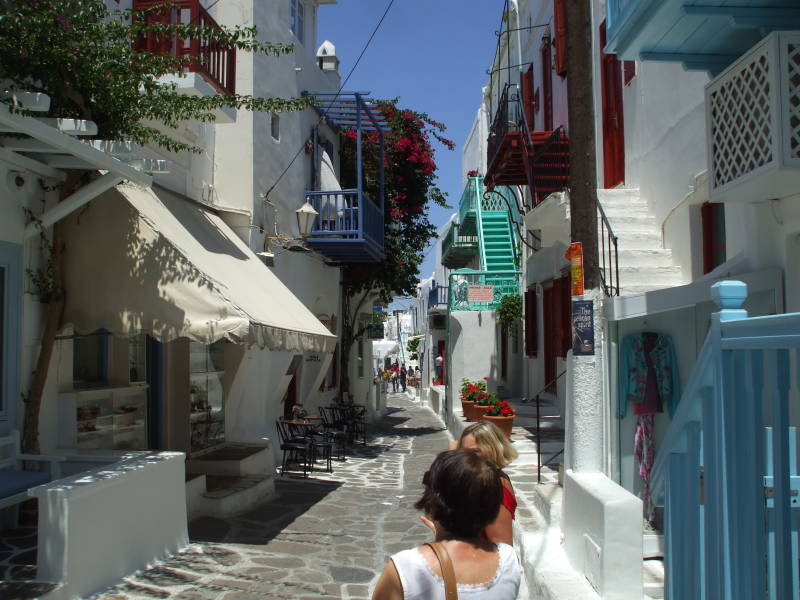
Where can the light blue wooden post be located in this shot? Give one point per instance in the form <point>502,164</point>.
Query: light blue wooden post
<point>722,507</point>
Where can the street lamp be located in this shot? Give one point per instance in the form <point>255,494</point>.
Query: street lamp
<point>306,215</point>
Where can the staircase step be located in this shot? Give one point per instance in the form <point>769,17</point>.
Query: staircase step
<point>658,276</point>
<point>633,222</point>
<point>658,257</point>
<point>638,240</point>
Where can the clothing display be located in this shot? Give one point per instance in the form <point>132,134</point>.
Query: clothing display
<point>654,354</point>
<point>649,379</point>
<point>420,582</point>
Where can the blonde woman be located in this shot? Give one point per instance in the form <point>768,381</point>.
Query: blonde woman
<point>487,440</point>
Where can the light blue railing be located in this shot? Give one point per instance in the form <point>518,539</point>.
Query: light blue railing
<point>727,468</point>
<point>465,295</point>
<point>343,215</point>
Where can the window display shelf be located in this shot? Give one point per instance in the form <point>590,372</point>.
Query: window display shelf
<point>104,419</point>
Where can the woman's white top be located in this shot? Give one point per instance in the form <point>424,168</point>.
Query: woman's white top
<point>420,582</point>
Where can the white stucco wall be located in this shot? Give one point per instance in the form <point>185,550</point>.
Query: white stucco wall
<point>473,348</point>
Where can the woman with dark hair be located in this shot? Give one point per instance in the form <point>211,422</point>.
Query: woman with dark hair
<point>463,492</point>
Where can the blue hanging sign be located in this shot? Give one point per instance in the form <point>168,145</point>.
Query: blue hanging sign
<point>582,328</point>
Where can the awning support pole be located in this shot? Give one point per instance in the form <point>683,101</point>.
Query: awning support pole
<point>73,202</point>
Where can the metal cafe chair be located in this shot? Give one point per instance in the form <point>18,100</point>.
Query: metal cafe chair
<point>297,449</point>
<point>336,430</point>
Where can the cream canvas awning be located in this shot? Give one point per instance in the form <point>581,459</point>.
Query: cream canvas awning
<point>137,261</point>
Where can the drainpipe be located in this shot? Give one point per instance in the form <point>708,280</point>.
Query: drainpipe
<point>73,202</point>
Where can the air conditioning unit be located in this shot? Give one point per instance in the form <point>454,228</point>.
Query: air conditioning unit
<point>438,321</point>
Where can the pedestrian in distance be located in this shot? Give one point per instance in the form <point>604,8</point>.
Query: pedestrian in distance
<point>486,439</point>
<point>395,379</point>
<point>463,492</point>
<point>403,376</point>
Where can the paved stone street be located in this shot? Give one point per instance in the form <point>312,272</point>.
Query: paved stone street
<point>325,537</point>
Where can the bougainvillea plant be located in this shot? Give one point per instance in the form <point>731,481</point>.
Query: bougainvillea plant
<point>410,189</point>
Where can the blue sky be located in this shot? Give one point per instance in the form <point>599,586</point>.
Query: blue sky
<point>432,54</point>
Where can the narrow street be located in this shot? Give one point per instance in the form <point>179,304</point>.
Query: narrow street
<point>325,537</point>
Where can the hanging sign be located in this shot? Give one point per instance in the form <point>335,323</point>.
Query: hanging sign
<point>574,255</point>
<point>582,328</point>
<point>480,293</point>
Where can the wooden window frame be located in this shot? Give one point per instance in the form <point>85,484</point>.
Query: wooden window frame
<point>531,322</point>
<point>560,21</point>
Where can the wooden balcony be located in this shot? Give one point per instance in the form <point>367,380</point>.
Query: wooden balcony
<point>515,156</point>
<point>349,227</point>
<point>437,297</point>
<point>706,36</point>
<point>215,64</point>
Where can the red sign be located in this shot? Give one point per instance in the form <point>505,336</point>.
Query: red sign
<point>574,255</point>
<point>480,293</point>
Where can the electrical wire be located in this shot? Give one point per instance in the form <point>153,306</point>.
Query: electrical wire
<point>338,92</point>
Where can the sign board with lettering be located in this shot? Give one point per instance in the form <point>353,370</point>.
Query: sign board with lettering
<point>480,293</point>
<point>582,328</point>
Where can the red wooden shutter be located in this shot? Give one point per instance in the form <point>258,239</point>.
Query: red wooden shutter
<point>560,10</point>
<point>712,216</point>
<point>547,84</point>
<point>528,100</point>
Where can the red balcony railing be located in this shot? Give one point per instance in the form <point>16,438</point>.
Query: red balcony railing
<point>215,63</point>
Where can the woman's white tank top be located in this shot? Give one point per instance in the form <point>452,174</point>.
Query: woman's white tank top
<point>420,582</point>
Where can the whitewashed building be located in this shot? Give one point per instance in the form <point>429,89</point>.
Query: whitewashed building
<point>196,314</point>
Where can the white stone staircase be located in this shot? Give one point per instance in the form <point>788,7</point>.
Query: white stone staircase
<point>643,264</point>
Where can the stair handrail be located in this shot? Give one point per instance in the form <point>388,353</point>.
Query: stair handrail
<point>538,399</point>
<point>609,255</point>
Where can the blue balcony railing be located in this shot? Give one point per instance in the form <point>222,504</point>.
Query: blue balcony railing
<point>437,297</point>
<point>727,468</point>
<point>349,227</point>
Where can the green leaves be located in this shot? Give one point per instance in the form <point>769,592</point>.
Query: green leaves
<point>85,58</point>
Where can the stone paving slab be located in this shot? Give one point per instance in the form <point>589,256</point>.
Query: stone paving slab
<point>327,536</point>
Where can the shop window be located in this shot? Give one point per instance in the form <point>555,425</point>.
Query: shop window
<point>297,20</point>
<point>206,395</point>
<point>137,358</point>
<point>90,360</point>
<point>713,223</point>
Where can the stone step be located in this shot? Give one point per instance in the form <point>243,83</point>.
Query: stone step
<point>642,258</point>
<point>633,289</point>
<point>618,195</point>
<point>227,496</point>
<point>633,222</point>
<point>658,276</point>
<point>638,240</point>
<point>621,209</point>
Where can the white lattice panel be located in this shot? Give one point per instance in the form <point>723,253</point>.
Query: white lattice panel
<point>753,119</point>
<point>740,120</point>
<point>791,72</point>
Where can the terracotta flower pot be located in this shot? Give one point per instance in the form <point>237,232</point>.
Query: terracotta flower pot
<point>504,423</point>
<point>466,405</point>
<point>476,411</point>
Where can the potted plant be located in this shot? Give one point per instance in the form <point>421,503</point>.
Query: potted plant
<point>477,399</point>
<point>469,395</point>
<point>502,415</point>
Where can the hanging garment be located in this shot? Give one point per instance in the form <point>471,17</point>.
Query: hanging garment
<point>644,450</point>
<point>635,362</point>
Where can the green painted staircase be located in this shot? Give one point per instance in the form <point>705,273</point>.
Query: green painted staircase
<point>497,247</point>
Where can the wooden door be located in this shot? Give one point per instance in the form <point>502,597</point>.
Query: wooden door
<point>613,122</point>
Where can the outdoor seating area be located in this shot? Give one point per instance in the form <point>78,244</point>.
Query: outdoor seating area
<point>305,439</point>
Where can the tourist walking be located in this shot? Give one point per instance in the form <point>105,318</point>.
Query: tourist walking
<point>486,439</point>
<point>463,492</point>
<point>403,376</point>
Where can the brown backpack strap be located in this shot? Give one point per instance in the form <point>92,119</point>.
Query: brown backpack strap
<point>448,574</point>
